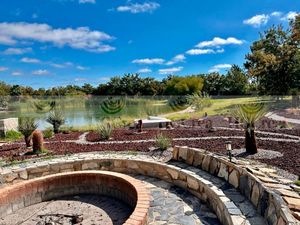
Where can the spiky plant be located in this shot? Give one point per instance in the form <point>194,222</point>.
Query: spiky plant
<point>56,119</point>
<point>105,130</point>
<point>163,142</point>
<point>248,114</point>
<point>26,126</point>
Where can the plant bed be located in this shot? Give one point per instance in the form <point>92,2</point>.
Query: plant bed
<point>74,135</point>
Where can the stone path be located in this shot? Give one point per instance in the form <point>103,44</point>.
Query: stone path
<point>173,205</point>
<point>274,116</point>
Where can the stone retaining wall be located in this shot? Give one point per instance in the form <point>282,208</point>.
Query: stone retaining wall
<point>7,125</point>
<point>119,186</point>
<point>251,183</point>
<point>227,212</point>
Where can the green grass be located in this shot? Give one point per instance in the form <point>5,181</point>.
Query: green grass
<point>11,136</point>
<point>297,182</point>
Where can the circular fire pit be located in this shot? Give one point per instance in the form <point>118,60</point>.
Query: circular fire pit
<point>73,189</point>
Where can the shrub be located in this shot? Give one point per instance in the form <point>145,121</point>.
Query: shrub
<point>26,126</point>
<point>162,142</point>
<point>297,182</point>
<point>199,101</point>
<point>48,133</point>
<point>105,130</point>
<point>13,135</point>
<point>57,119</point>
<point>37,142</point>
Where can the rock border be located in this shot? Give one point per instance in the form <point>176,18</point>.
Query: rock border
<point>275,201</point>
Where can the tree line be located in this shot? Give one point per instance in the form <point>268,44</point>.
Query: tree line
<point>272,67</point>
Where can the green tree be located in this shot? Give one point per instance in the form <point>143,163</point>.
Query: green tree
<point>236,81</point>
<point>184,85</point>
<point>274,62</point>
<point>214,84</point>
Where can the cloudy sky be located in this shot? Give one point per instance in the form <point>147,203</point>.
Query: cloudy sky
<point>46,43</point>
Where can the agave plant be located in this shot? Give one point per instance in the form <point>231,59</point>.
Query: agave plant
<point>56,119</point>
<point>105,130</point>
<point>26,126</point>
<point>248,114</point>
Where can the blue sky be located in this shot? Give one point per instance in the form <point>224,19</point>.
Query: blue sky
<point>45,43</point>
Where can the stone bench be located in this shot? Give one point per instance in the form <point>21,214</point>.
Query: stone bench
<point>219,196</point>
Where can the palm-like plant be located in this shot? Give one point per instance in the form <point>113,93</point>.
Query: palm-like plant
<point>26,126</point>
<point>56,119</point>
<point>248,114</point>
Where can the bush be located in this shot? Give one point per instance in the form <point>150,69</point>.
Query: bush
<point>162,142</point>
<point>105,130</point>
<point>297,182</point>
<point>48,133</point>
<point>26,126</point>
<point>13,135</point>
<point>57,119</point>
<point>199,101</point>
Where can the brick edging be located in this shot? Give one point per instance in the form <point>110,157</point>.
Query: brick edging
<point>117,185</point>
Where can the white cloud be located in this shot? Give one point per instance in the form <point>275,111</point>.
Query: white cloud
<point>16,73</point>
<point>145,70</point>
<point>218,42</point>
<point>87,1</point>
<point>139,8</point>
<point>80,79</point>
<point>177,59</point>
<point>289,16</point>
<point>149,61</point>
<point>2,68</point>
<point>30,60</point>
<point>219,67</point>
<point>276,14</point>
<point>258,20</point>
<point>17,51</point>
<point>81,68</point>
<point>80,38</point>
<point>170,70</point>
<point>40,72</point>
<point>200,51</point>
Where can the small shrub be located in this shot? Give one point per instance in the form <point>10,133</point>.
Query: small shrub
<point>13,135</point>
<point>57,119</point>
<point>37,142</point>
<point>162,142</point>
<point>105,130</point>
<point>297,182</point>
<point>26,126</point>
<point>48,133</point>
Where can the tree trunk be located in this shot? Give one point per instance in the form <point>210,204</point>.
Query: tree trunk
<point>250,142</point>
<point>27,141</point>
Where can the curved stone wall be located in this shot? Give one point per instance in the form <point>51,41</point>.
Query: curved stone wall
<point>251,183</point>
<point>119,186</point>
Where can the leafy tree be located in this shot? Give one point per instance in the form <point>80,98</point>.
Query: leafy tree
<point>184,85</point>
<point>214,83</point>
<point>274,62</point>
<point>236,81</point>
<point>87,89</point>
<point>248,114</point>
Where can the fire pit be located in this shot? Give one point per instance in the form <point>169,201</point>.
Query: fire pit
<point>76,198</point>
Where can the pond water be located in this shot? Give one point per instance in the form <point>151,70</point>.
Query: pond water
<point>83,111</point>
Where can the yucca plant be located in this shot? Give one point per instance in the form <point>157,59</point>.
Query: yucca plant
<point>26,126</point>
<point>162,142</point>
<point>56,119</point>
<point>105,130</point>
<point>248,114</point>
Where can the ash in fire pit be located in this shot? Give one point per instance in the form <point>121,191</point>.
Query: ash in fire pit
<point>71,210</point>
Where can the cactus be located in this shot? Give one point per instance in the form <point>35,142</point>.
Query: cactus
<point>37,141</point>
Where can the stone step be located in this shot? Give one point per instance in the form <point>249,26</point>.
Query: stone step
<point>238,204</point>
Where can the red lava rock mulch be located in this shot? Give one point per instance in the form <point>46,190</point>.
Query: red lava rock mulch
<point>65,136</point>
